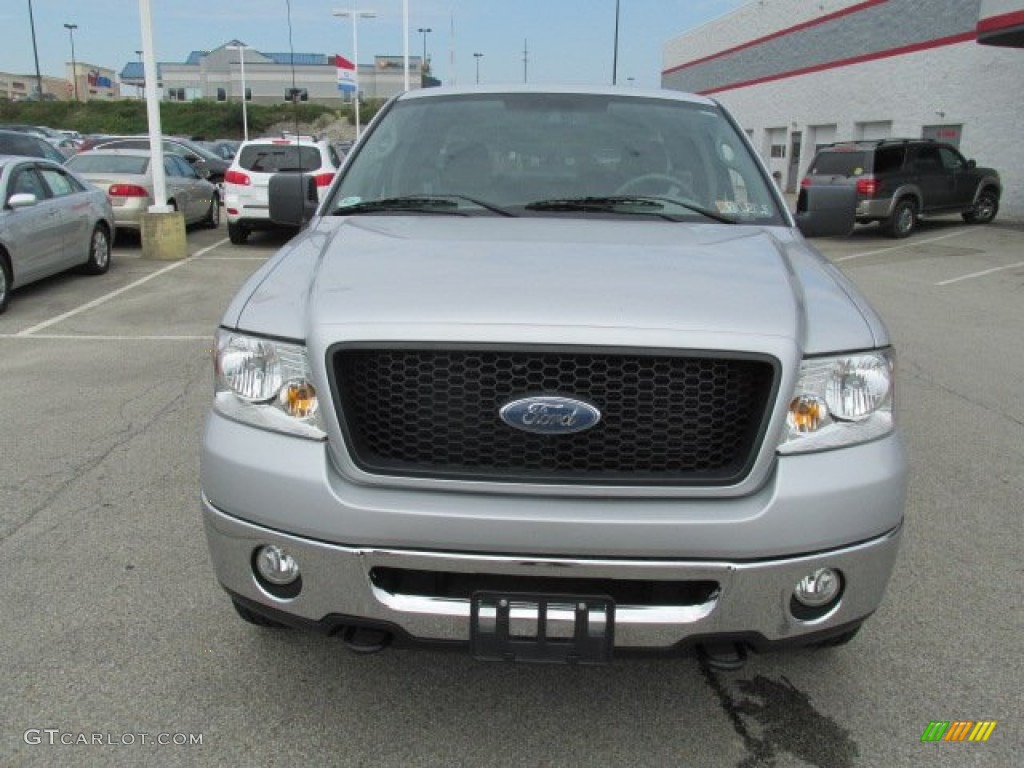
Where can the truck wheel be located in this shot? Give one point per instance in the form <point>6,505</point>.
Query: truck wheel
<point>903,219</point>
<point>237,233</point>
<point>254,618</point>
<point>985,208</point>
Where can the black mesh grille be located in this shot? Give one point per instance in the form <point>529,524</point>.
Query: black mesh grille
<point>665,419</point>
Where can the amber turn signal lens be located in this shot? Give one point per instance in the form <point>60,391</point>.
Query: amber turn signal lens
<point>807,413</point>
<point>298,399</point>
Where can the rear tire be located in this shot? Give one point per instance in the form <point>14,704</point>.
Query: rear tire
<point>985,208</point>
<point>6,281</point>
<point>212,220</point>
<point>237,233</point>
<point>99,252</point>
<point>256,619</point>
<point>903,220</point>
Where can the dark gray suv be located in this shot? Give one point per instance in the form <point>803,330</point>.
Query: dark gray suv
<point>899,180</point>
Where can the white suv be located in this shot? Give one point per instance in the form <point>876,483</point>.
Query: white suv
<point>247,180</point>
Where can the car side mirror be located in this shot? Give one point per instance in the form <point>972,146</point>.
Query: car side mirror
<point>21,200</point>
<point>293,198</point>
<point>971,165</point>
<point>826,210</point>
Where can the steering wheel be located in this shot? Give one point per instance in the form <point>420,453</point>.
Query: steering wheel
<point>661,183</point>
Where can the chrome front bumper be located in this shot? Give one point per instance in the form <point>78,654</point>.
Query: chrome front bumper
<point>753,598</point>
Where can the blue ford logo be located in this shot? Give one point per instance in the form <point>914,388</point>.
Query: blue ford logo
<point>549,415</point>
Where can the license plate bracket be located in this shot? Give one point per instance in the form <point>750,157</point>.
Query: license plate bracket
<point>558,629</point>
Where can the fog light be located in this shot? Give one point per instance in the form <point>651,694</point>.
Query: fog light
<point>276,566</point>
<point>819,587</point>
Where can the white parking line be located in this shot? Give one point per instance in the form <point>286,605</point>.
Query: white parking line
<point>113,294</point>
<point>907,244</point>
<point>981,274</point>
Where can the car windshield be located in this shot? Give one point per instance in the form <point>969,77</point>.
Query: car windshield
<point>93,163</point>
<point>271,158</point>
<point>557,154</point>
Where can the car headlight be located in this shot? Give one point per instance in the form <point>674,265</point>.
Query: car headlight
<point>840,401</point>
<point>267,384</point>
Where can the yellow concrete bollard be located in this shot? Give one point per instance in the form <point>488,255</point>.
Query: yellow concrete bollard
<point>163,236</point>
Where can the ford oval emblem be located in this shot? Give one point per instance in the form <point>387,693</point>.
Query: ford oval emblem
<point>550,415</point>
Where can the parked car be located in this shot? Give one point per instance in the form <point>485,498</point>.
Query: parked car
<point>246,181</point>
<point>28,145</point>
<point>552,373</point>
<point>206,163</point>
<point>126,175</point>
<point>900,180</point>
<point>226,149</point>
<point>51,221</point>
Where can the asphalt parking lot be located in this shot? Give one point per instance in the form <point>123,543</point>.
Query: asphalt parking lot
<point>116,638</point>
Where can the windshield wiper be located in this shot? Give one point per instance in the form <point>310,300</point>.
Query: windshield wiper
<point>645,204</point>
<point>443,203</point>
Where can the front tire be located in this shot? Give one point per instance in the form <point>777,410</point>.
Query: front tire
<point>237,233</point>
<point>985,208</point>
<point>903,220</point>
<point>99,252</point>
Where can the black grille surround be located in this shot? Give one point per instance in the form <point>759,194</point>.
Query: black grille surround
<point>669,418</point>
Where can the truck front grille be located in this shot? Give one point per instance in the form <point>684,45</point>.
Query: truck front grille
<point>686,419</point>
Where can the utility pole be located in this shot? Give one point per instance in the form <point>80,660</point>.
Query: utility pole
<point>74,64</point>
<point>615,57</point>
<point>526,58</point>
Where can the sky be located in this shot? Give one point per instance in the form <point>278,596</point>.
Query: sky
<point>567,41</point>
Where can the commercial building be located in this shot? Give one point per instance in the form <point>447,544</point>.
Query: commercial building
<point>217,75</point>
<point>799,74</point>
<point>20,87</point>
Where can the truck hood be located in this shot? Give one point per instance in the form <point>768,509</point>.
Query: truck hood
<point>554,280</point>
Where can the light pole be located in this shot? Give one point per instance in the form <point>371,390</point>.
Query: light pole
<point>478,56</point>
<point>615,58</point>
<point>424,31</point>
<point>245,115</point>
<point>74,64</point>
<point>355,16</point>
<point>35,50</point>
<point>140,92</point>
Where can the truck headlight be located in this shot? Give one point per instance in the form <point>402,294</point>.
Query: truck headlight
<point>840,401</point>
<point>266,383</point>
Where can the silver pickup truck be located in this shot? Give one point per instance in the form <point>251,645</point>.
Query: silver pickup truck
<point>553,374</point>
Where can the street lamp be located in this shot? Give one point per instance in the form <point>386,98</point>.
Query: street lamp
<point>35,49</point>
<point>615,59</point>
<point>74,64</point>
<point>139,91</point>
<point>245,115</point>
<point>478,56</point>
<point>424,31</point>
<point>355,16</point>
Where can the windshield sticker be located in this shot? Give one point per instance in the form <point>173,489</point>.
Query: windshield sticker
<point>726,206</point>
<point>858,171</point>
<point>349,201</point>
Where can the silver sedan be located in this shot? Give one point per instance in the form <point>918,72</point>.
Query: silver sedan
<point>126,175</point>
<point>51,220</point>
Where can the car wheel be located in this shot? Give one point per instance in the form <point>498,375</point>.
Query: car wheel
<point>212,220</point>
<point>99,252</point>
<point>5,282</point>
<point>237,233</point>
<point>985,208</point>
<point>254,618</point>
<point>903,219</point>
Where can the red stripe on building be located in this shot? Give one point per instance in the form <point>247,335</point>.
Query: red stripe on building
<point>781,33</point>
<point>901,51</point>
<point>993,23</point>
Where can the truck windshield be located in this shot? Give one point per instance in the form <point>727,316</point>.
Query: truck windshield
<point>521,151</point>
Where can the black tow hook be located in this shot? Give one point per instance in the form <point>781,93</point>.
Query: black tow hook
<point>365,640</point>
<point>723,657</point>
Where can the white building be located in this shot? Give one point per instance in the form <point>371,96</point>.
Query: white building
<point>217,75</point>
<point>798,74</point>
